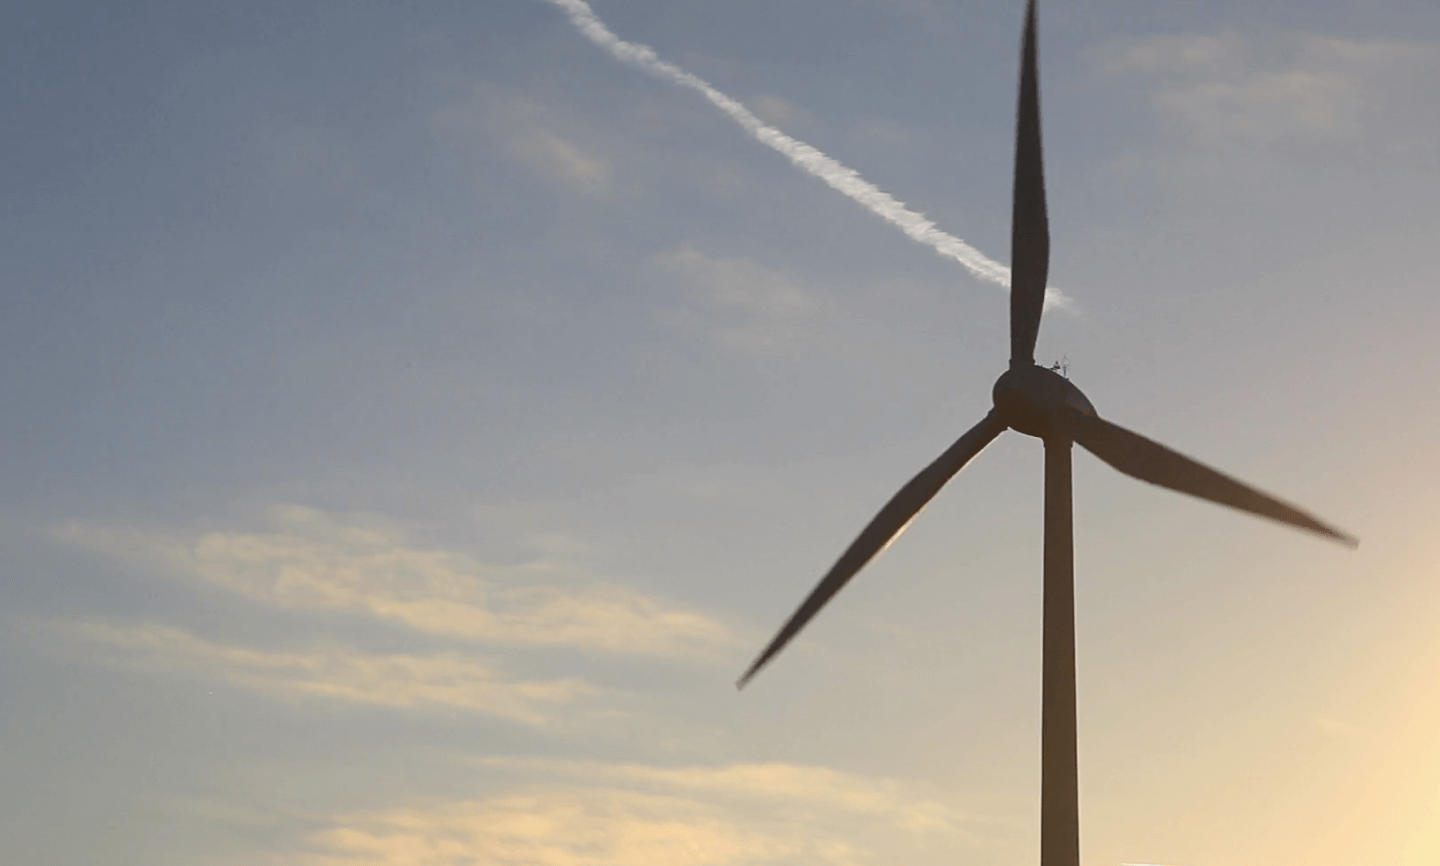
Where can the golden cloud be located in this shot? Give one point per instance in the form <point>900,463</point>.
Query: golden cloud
<point>591,813</point>
<point>445,681</point>
<point>311,561</point>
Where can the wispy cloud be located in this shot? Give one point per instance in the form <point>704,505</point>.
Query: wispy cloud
<point>312,561</point>
<point>838,176</point>
<point>1229,88</point>
<point>597,814</point>
<point>552,145</point>
<point>444,681</point>
<point>561,159</point>
<point>783,786</point>
<point>744,305</point>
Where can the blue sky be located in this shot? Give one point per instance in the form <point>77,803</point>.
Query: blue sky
<point>412,420</point>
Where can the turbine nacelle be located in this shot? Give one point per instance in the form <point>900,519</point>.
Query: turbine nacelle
<point>1031,399</point>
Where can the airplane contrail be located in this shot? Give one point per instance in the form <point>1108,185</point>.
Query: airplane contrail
<point>840,177</point>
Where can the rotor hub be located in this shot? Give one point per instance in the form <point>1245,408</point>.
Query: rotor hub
<point>1032,399</point>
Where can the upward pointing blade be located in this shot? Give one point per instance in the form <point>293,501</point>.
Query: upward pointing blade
<point>1150,461</point>
<point>883,529</point>
<point>1029,226</point>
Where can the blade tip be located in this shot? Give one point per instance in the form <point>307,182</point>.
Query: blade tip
<point>1339,537</point>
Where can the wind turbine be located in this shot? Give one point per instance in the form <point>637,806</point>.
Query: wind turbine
<point>1039,402</point>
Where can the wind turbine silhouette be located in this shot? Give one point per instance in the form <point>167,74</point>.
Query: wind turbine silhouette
<point>1039,402</point>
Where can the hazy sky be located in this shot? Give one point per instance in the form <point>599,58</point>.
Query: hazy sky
<point>413,420</point>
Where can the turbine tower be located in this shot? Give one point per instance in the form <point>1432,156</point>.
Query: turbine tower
<point>1039,402</point>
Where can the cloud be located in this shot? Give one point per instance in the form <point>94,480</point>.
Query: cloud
<point>554,147</point>
<point>591,813</point>
<point>574,828</point>
<point>744,305</point>
<point>782,786</point>
<point>561,160</point>
<point>1227,88</point>
<point>444,681</point>
<point>839,177</point>
<point>312,561</point>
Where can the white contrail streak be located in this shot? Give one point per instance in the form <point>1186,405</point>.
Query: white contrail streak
<point>839,176</point>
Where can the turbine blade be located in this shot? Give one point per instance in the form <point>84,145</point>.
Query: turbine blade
<point>1029,226</point>
<point>1150,461</point>
<point>882,530</point>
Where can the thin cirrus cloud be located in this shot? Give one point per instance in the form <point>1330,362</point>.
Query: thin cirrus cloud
<point>551,145</point>
<point>1229,88</point>
<point>780,786</point>
<point>449,681</point>
<point>561,159</point>
<point>310,561</point>
<point>744,306</point>
<point>593,813</point>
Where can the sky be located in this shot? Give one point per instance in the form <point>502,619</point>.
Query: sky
<point>414,419</point>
